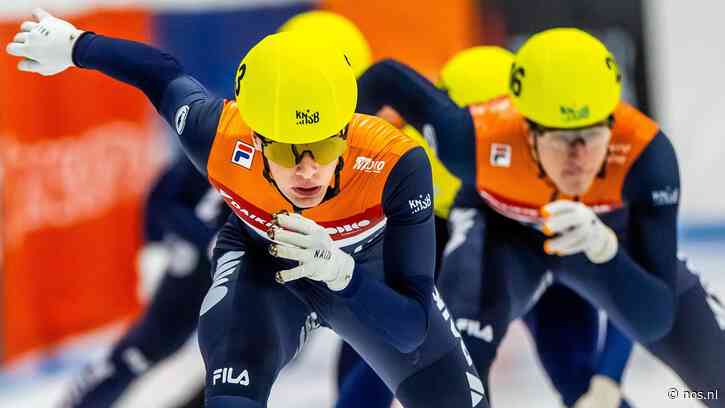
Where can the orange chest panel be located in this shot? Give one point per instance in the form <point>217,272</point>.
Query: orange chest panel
<point>509,179</point>
<point>236,170</point>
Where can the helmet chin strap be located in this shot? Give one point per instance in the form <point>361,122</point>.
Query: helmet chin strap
<point>336,189</point>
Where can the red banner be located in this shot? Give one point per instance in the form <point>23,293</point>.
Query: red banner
<point>76,155</point>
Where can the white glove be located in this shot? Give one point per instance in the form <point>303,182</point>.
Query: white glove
<point>46,46</point>
<point>579,230</point>
<point>301,239</point>
<point>603,393</point>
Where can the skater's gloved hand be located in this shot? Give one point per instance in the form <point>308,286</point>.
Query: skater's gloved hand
<point>603,393</point>
<point>301,239</point>
<point>46,46</point>
<point>578,229</point>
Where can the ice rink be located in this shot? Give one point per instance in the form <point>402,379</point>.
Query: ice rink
<point>517,379</point>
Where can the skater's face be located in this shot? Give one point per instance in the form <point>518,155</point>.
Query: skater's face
<point>304,184</point>
<point>571,158</point>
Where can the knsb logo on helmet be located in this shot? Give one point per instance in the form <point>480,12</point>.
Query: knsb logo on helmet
<point>307,118</point>
<point>289,97</point>
<point>569,113</point>
<point>564,78</point>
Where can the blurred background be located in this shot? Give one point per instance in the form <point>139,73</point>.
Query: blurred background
<point>79,151</point>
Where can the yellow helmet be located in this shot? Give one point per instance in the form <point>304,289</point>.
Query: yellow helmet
<point>565,78</point>
<point>337,29</point>
<point>476,74</point>
<point>295,88</point>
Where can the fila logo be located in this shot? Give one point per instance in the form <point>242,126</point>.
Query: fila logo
<point>500,155</point>
<point>243,155</point>
<point>473,329</point>
<point>180,119</point>
<point>226,376</point>
<point>368,165</point>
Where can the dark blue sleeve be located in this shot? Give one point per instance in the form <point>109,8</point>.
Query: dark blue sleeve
<point>173,201</point>
<point>426,108</point>
<point>637,287</point>
<point>398,308</point>
<point>182,101</point>
<point>615,354</point>
<point>652,189</point>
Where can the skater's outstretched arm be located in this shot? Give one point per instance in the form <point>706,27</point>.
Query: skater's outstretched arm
<point>50,45</point>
